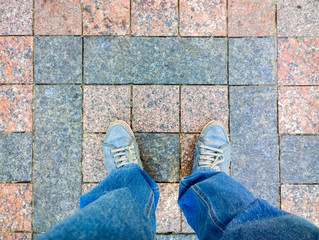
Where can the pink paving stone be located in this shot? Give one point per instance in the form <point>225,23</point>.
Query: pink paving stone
<point>298,18</point>
<point>154,18</point>
<point>59,17</point>
<point>185,226</point>
<point>16,59</point>
<point>93,166</point>
<point>106,17</point>
<point>15,207</point>
<point>15,108</point>
<point>298,61</point>
<point>302,200</point>
<point>168,216</point>
<point>15,236</point>
<point>155,108</point>
<point>16,17</point>
<point>201,104</point>
<point>298,110</point>
<point>203,18</point>
<point>188,143</point>
<point>87,187</point>
<point>105,104</point>
<point>251,18</point>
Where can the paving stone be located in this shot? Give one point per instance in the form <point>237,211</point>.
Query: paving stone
<point>160,156</point>
<point>61,17</point>
<point>57,154</point>
<point>185,226</point>
<point>86,187</point>
<point>298,18</point>
<point>15,157</point>
<point>301,200</point>
<point>105,104</point>
<point>15,207</point>
<point>155,60</point>
<point>16,17</point>
<point>110,17</point>
<point>298,61</point>
<point>16,59</point>
<point>298,110</point>
<point>168,215</point>
<point>93,167</point>
<point>58,60</point>
<point>16,236</point>
<point>299,159</point>
<point>252,61</point>
<point>201,104</point>
<point>177,237</point>
<point>154,18</point>
<point>253,131</point>
<point>188,143</point>
<point>203,18</point>
<point>15,108</point>
<point>251,18</point>
<point>156,108</point>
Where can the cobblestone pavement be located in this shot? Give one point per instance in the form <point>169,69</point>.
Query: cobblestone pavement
<point>69,67</point>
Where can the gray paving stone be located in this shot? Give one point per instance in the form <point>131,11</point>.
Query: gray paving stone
<point>58,59</point>
<point>160,155</point>
<point>155,60</point>
<point>253,130</point>
<point>15,157</point>
<point>252,61</point>
<point>299,157</point>
<point>177,237</point>
<point>57,154</point>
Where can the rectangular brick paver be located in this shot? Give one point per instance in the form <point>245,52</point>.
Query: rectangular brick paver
<point>185,226</point>
<point>177,237</point>
<point>16,236</point>
<point>86,187</point>
<point>188,143</point>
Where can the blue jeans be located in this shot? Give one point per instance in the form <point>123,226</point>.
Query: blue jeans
<point>216,206</point>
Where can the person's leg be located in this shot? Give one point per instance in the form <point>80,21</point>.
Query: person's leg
<point>218,207</point>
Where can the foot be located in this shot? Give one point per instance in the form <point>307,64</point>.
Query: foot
<point>120,147</point>
<point>212,149</point>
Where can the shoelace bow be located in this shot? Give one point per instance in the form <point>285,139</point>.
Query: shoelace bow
<point>211,157</point>
<point>124,156</point>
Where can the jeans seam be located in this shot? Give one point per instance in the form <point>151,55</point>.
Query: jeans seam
<point>214,219</point>
<point>149,205</point>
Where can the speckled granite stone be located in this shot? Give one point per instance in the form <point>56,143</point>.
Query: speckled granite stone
<point>160,156</point>
<point>298,61</point>
<point>299,159</point>
<point>201,104</point>
<point>15,236</point>
<point>105,104</point>
<point>61,17</point>
<point>177,237</point>
<point>57,154</point>
<point>15,108</point>
<point>252,61</point>
<point>36,235</point>
<point>16,59</point>
<point>188,143</point>
<point>203,18</point>
<point>86,187</point>
<point>16,17</point>
<point>185,226</point>
<point>15,157</point>
<point>156,108</point>
<point>168,216</point>
<point>302,200</point>
<point>155,60</point>
<point>93,167</point>
<point>58,60</point>
<point>253,131</point>
<point>298,18</point>
<point>110,17</point>
<point>154,18</point>
<point>298,110</point>
<point>15,207</point>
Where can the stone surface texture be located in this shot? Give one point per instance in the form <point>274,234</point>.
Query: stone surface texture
<point>252,61</point>
<point>298,61</point>
<point>203,18</point>
<point>155,60</point>
<point>177,237</point>
<point>106,17</point>
<point>188,143</point>
<point>86,187</point>
<point>15,236</point>
<point>298,110</point>
<point>16,59</point>
<point>185,226</point>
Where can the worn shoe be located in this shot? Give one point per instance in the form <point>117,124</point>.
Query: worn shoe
<point>120,147</point>
<point>213,148</point>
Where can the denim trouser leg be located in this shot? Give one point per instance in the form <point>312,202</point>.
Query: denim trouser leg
<point>218,207</point>
<point>122,206</point>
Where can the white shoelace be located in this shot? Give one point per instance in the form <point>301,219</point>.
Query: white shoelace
<point>124,156</point>
<point>210,157</point>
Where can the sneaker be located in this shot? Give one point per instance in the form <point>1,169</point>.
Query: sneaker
<point>120,147</point>
<point>212,149</point>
